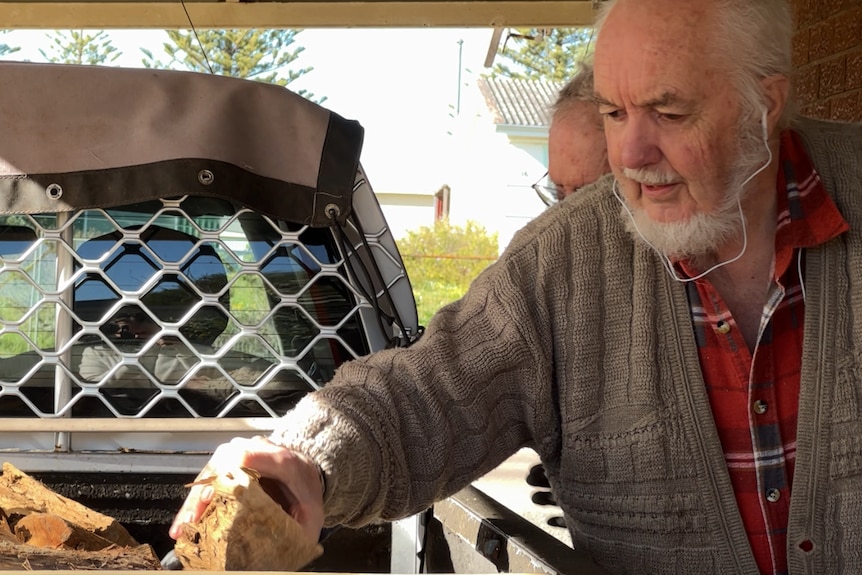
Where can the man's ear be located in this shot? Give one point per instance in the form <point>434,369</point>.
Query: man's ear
<point>776,92</point>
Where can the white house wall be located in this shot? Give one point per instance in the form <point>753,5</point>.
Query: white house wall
<point>406,212</point>
<point>488,168</point>
<point>494,172</point>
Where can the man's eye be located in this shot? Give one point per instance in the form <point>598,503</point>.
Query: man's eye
<point>613,114</point>
<point>671,117</point>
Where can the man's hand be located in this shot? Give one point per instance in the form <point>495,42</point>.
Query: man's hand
<point>290,478</point>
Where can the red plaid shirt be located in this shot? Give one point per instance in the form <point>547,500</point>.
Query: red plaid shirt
<point>755,397</point>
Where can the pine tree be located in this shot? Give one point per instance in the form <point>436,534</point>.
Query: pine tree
<point>550,55</point>
<point>6,48</point>
<point>80,47</point>
<point>263,55</point>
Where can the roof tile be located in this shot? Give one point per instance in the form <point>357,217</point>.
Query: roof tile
<point>519,102</point>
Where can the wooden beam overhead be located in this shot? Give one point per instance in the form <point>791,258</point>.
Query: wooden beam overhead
<point>98,14</point>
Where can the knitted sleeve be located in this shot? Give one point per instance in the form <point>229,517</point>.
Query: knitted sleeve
<point>400,429</point>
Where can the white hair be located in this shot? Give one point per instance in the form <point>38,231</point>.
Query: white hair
<point>755,38</point>
<point>579,88</point>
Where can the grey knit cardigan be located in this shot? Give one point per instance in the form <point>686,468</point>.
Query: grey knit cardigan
<point>577,343</point>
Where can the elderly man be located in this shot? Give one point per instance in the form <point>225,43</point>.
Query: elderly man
<point>577,154</point>
<point>680,343</point>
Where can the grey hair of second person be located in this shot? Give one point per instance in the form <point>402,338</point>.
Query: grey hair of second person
<point>756,39</point>
<point>579,88</point>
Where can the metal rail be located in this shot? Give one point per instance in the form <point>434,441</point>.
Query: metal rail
<point>137,425</point>
<point>475,533</point>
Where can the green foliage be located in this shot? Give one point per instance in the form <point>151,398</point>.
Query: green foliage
<point>262,55</point>
<point>6,48</point>
<point>79,47</point>
<point>17,300</point>
<point>442,260</point>
<point>550,55</point>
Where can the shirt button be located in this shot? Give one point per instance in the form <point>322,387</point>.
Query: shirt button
<point>722,327</point>
<point>760,407</point>
<point>773,495</point>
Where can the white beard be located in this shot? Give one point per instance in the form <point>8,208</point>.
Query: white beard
<point>703,233</point>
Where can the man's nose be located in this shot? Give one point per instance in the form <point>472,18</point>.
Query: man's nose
<point>639,143</point>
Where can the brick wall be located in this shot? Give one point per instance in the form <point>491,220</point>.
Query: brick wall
<point>827,57</point>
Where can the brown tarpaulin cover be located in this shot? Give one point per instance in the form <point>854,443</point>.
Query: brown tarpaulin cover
<point>76,137</point>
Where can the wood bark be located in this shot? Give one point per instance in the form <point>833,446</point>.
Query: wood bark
<point>42,530</point>
<point>22,557</point>
<point>47,530</point>
<point>20,494</point>
<point>6,531</point>
<point>244,529</point>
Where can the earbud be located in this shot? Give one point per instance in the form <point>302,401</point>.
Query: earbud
<point>763,126</point>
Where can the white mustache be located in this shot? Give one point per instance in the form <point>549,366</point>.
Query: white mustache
<point>651,177</point>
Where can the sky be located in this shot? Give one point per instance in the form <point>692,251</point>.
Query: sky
<point>400,84</point>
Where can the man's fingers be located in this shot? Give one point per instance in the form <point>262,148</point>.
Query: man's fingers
<point>295,484</point>
<point>193,508</point>
<point>291,479</point>
<point>201,492</point>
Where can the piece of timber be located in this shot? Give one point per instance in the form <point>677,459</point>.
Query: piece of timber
<point>20,494</point>
<point>292,14</point>
<point>48,530</point>
<point>21,557</point>
<point>244,529</point>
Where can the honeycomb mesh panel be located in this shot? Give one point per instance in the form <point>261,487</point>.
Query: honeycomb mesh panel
<point>170,309</point>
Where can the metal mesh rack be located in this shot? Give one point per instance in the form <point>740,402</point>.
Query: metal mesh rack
<point>161,261</point>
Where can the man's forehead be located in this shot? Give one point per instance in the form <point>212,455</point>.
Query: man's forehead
<point>664,14</point>
<point>653,65</point>
<point>656,29</point>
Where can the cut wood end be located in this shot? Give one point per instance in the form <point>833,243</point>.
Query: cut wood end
<point>23,495</point>
<point>244,529</point>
